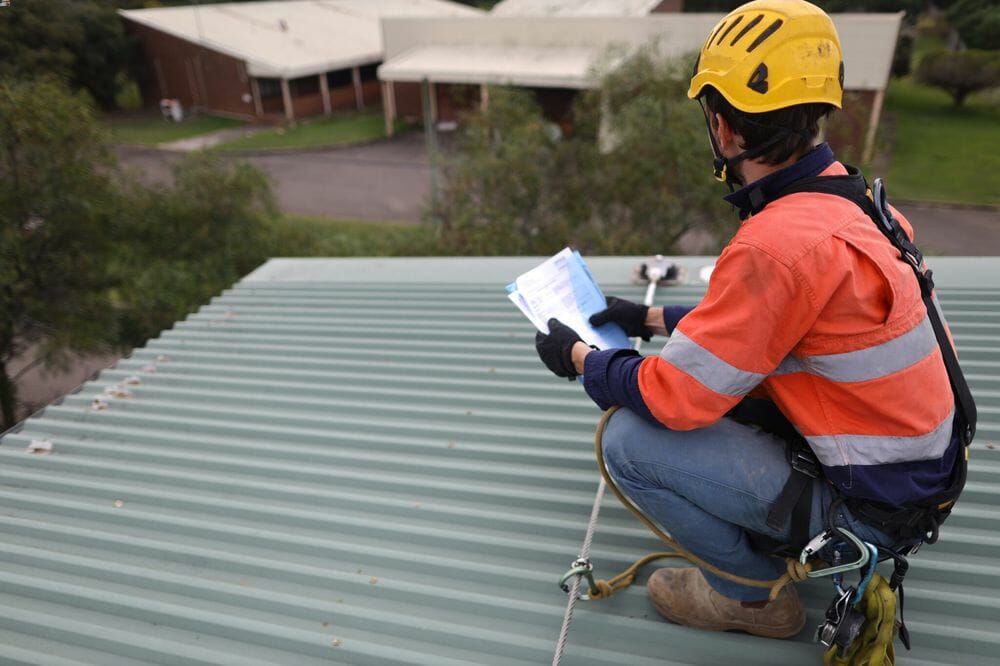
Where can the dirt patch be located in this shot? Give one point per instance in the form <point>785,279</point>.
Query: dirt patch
<point>41,386</point>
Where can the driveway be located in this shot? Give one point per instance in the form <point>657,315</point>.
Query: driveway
<point>381,181</point>
<point>390,180</point>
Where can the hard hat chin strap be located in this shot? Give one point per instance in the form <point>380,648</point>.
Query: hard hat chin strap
<point>724,167</point>
<point>721,165</point>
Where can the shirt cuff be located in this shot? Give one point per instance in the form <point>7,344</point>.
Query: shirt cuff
<point>672,315</point>
<point>611,377</point>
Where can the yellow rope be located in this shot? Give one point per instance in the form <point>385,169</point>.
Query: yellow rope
<point>874,646</point>
<point>796,571</point>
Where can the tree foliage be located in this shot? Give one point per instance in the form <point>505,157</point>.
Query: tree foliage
<point>81,42</point>
<point>977,22</point>
<point>632,177</point>
<point>911,7</point>
<point>56,225</point>
<point>185,243</point>
<point>960,73</point>
<point>92,263</point>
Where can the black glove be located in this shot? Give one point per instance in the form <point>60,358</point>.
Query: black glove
<point>630,316</point>
<point>556,348</point>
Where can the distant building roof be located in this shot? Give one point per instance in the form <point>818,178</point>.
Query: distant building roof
<point>562,51</point>
<point>291,38</point>
<point>574,7</point>
<point>362,461</point>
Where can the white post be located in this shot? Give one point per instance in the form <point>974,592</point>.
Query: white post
<point>389,106</point>
<point>433,95</point>
<point>258,107</point>
<point>324,89</point>
<point>359,91</point>
<point>873,121</point>
<point>286,98</point>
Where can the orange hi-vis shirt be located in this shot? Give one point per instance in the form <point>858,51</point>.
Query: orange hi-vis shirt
<point>811,305</point>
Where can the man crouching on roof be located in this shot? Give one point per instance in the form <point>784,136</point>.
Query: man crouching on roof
<point>809,306</point>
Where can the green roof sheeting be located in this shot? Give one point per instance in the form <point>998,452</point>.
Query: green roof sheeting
<point>353,461</point>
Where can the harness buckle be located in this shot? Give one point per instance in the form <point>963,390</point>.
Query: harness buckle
<point>804,462</point>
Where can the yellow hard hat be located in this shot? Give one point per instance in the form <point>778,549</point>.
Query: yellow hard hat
<point>771,54</point>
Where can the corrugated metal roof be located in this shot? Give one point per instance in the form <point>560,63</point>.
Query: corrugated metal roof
<point>551,51</point>
<point>363,462</point>
<point>291,38</point>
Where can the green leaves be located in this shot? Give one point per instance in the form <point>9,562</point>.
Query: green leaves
<point>630,176</point>
<point>960,73</point>
<point>91,261</point>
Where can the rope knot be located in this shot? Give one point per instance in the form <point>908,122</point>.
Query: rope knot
<point>797,571</point>
<point>604,590</point>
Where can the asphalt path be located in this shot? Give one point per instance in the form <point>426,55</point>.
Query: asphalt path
<point>390,181</point>
<point>384,181</point>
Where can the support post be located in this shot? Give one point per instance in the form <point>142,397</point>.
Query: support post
<point>426,90</point>
<point>359,91</point>
<point>433,97</point>
<point>324,90</point>
<point>873,121</point>
<point>286,98</point>
<point>389,107</point>
<point>484,97</point>
<point>258,106</point>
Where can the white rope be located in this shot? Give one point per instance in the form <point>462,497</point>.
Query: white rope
<point>575,587</point>
<point>655,273</point>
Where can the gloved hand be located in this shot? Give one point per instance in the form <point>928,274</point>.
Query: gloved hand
<point>630,316</point>
<point>556,348</point>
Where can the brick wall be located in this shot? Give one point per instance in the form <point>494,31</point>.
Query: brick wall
<point>198,77</point>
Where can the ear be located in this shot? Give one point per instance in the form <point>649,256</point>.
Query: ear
<point>730,143</point>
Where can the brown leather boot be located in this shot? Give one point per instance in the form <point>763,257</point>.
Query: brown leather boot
<point>683,596</point>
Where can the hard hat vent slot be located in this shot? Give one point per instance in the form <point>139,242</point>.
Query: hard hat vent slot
<point>747,28</point>
<point>768,31</point>
<point>731,26</point>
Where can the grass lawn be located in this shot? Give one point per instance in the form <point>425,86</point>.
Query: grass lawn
<point>307,236</point>
<point>334,131</point>
<point>941,153</point>
<point>151,130</point>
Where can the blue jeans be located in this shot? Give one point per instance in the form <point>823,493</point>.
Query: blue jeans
<point>708,487</point>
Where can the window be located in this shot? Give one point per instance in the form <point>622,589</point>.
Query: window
<point>369,72</point>
<point>340,78</point>
<point>269,88</point>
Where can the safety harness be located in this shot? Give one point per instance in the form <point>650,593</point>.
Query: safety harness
<point>913,524</point>
<point>860,622</point>
<point>923,519</point>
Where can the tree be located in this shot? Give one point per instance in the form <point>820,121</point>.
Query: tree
<point>977,22</point>
<point>632,177</point>
<point>81,42</point>
<point>960,73</point>
<point>56,226</point>
<point>182,245</point>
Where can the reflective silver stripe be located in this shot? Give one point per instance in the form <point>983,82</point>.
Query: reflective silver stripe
<point>688,356</point>
<point>871,363</point>
<point>837,450</point>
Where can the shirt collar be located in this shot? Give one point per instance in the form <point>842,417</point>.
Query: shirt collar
<point>751,199</point>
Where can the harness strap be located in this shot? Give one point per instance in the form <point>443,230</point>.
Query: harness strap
<point>853,187</point>
<point>924,519</point>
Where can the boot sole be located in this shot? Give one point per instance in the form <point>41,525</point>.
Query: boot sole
<point>765,632</point>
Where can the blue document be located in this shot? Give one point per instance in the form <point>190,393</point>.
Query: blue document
<point>562,287</point>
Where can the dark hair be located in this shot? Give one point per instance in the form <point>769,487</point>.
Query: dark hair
<point>793,130</point>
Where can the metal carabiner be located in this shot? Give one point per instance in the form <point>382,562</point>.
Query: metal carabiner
<point>580,567</point>
<point>821,540</point>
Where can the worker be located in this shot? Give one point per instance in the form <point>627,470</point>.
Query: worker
<point>809,308</point>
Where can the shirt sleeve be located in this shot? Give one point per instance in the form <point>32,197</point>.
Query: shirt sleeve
<point>755,312</point>
<point>672,314</point>
<point>610,377</point>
